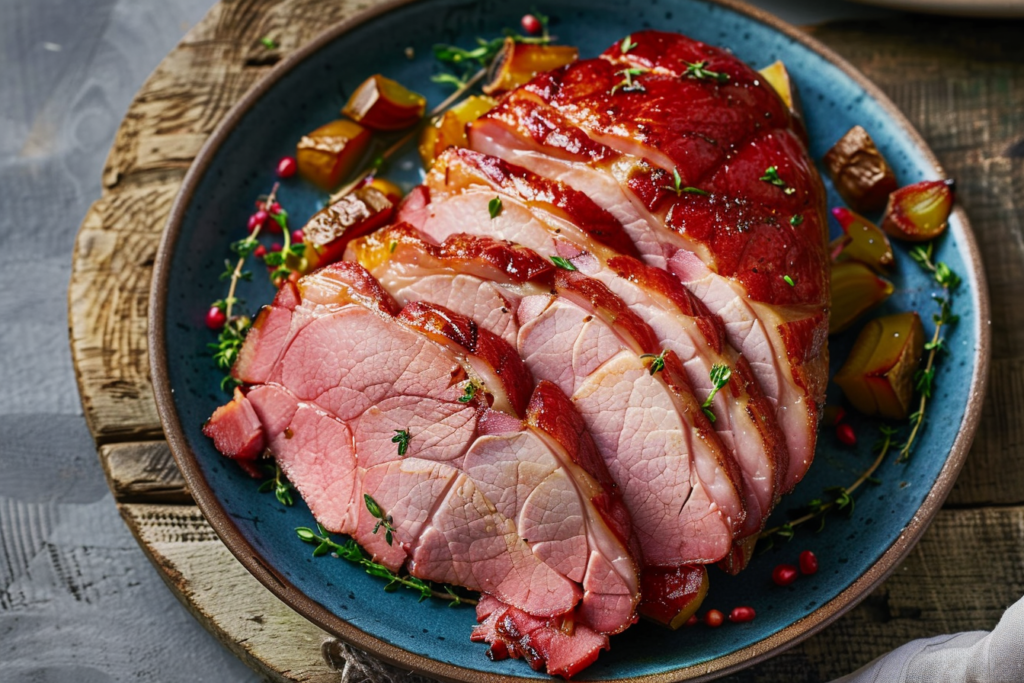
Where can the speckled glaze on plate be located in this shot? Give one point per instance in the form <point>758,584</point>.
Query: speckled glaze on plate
<point>307,90</point>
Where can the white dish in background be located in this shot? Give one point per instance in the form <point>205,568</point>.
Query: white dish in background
<point>972,8</point>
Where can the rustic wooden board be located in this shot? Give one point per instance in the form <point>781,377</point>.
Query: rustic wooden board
<point>960,81</point>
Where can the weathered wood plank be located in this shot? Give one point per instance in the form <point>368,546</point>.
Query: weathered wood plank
<point>143,473</point>
<point>224,597</point>
<point>108,304</point>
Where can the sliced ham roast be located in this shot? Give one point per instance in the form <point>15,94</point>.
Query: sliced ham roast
<point>521,391</point>
<point>676,479</point>
<point>463,182</point>
<point>513,503</point>
<point>746,212</point>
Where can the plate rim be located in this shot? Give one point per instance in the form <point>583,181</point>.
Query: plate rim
<point>309,608</point>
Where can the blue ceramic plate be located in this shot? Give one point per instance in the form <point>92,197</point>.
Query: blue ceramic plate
<point>308,90</point>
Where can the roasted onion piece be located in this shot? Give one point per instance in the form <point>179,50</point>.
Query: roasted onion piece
<point>862,241</point>
<point>919,212</point>
<point>878,376</point>
<point>330,152</point>
<point>778,77</point>
<point>856,289</point>
<point>383,104</point>
<point>517,63</point>
<point>861,174</point>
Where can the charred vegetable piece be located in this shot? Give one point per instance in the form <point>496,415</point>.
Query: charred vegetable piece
<point>517,63</point>
<point>878,376</point>
<point>382,104</point>
<point>860,172</point>
<point>330,230</point>
<point>778,77</point>
<point>919,212</point>
<point>855,291</point>
<point>449,129</point>
<point>330,152</point>
<point>862,241</point>
<point>671,595</point>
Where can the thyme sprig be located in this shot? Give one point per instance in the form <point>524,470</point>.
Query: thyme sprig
<point>284,262</point>
<point>720,376</point>
<point>771,176</point>
<point>678,188</point>
<point>402,437</point>
<point>841,497</point>
<point>279,484</point>
<point>350,550</point>
<point>627,44</point>
<point>469,392</point>
<point>700,71</point>
<point>484,54</point>
<point>657,362</point>
<point>231,336</point>
<point>627,84</point>
<point>383,519</point>
<point>924,378</point>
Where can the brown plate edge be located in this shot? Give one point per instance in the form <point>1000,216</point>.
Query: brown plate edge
<point>312,610</point>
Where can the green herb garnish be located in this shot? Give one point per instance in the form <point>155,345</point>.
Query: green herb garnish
<point>494,207</point>
<point>564,264</point>
<point>402,438</point>
<point>627,44</point>
<point>720,375</point>
<point>280,485</point>
<point>700,72</point>
<point>627,84</point>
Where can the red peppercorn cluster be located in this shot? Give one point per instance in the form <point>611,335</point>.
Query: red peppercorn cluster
<point>785,574</point>
<point>714,618</point>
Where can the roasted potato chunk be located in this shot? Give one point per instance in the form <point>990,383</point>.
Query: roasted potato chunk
<point>856,289</point>
<point>861,174</point>
<point>329,153</point>
<point>449,129</point>
<point>919,212</point>
<point>383,104</point>
<point>778,77</point>
<point>878,376</point>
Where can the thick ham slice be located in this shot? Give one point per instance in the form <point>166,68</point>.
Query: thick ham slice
<point>726,231</point>
<point>521,509</point>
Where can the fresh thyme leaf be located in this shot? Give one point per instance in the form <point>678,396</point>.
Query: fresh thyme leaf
<point>564,264</point>
<point>771,176</point>
<point>268,43</point>
<point>627,84</point>
<point>449,79</point>
<point>699,71</point>
<point>494,207</point>
<point>468,393</point>
<point>402,437</point>
<point>695,190</point>
<point>372,507</point>
<point>720,375</point>
<point>796,220</point>
<point>789,280</point>
<point>627,44</point>
<point>658,364</point>
<point>279,484</point>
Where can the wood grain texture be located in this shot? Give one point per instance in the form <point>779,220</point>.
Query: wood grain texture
<point>961,83</point>
<point>144,472</point>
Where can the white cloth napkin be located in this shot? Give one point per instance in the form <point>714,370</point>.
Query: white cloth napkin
<point>974,657</point>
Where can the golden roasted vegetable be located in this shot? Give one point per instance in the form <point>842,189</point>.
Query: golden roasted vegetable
<point>389,189</point>
<point>517,63</point>
<point>449,129</point>
<point>329,153</point>
<point>855,291</point>
<point>861,241</point>
<point>672,595</point>
<point>330,230</point>
<point>919,212</point>
<point>861,174</point>
<point>878,376</point>
<point>778,77</point>
<point>383,104</point>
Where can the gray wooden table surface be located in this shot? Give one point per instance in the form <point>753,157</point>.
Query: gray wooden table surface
<point>78,599</point>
